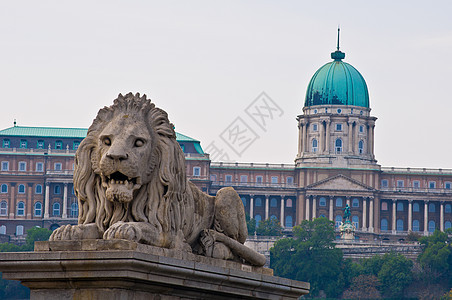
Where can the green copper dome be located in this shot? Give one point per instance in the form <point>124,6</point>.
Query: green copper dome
<point>337,83</point>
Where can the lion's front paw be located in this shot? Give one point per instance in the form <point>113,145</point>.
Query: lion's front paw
<point>123,230</point>
<point>66,233</point>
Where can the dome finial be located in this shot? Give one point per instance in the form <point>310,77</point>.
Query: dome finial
<point>338,55</point>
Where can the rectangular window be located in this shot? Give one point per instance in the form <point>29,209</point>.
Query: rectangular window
<point>259,180</point>
<point>75,145</point>
<point>338,127</point>
<point>228,178</point>
<point>384,183</point>
<point>274,180</point>
<point>39,167</point>
<point>447,185</point>
<point>59,145</point>
<point>196,171</point>
<point>22,166</point>
<point>5,165</point>
<point>243,179</point>
<point>57,189</point>
<point>40,144</point>
<point>6,143</point>
<point>289,180</point>
<point>57,166</point>
<point>400,183</point>
<point>416,184</point>
<point>432,185</point>
<point>314,127</point>
<point>213,177</point>
<point>23,144</point>
<point>361,128</point>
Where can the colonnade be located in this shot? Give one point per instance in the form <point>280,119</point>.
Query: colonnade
<point>267,206</point>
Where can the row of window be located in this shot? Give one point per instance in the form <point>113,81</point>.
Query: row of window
<point>338,148</point>
<point>259,179</point>
<point>19,229</point>
<point>37,210</point>
<point>416,207</point>
<point>415,184</point>
<point>38,189</point>
<point>415,225</point>
<point>339,202</point>
<point>40,144</point>
<point>339,111</point>
<point>22,166</point>
<point>288,220</point>
<point>258,201</point>
<point>338,127</point>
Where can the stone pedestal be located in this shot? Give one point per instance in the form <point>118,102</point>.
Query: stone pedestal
<point>119,269</point>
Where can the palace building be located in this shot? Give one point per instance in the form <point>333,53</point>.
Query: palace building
<point>335,165</point>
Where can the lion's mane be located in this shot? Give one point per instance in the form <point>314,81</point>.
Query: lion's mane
<point>161,201</point>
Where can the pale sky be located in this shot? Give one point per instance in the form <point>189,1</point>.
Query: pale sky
<point>205,62</point>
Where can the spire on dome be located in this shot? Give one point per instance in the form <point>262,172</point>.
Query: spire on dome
<point>338,55</point>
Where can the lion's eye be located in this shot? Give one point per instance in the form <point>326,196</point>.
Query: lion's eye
<point>107,141</point>
<point>139,143</point>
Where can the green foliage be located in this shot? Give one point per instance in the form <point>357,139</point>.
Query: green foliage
<point>311,256</point>
<point>36,234</point>
<point>395,274</point>
<point>437,254</point>
<point>269,227</point>
<point>251,225</point>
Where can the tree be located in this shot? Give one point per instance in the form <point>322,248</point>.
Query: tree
<point>269,227</point>
<point>36,234</point>
<point>310,256</point>
<point>395,274</point>
<point>363,286</point>
<point>251,225</point>
<point>436,255</point>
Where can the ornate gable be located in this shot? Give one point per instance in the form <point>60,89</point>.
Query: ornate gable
<point>340,182</point>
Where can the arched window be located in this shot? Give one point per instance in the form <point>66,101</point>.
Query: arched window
<point>355,202</point>
<point>314,145</point>
<point>399,206</point>
<point>74,210</point>
<point>416,207</point>
<point>38,189</point>
<point>289,221</point>
<point>273,202</point>
<point>415,225</point>
<point>38,209</point>
<point>399,225</point>
<point>56,209</point>
<point>258,218</point>
<point>21,208</point>
<point>431,226</point>
<point>3,208</point>
<point>273,217</point>
<point>384,224</point>
<point>21,189</point>
<point>338,145</point>
<point>289,202</point>
<point>4,188</point>
<point>338,221</point>
<point>361,147</point>
<point>19,230</point>
<point>258,201</point>
<point>3,229</point>
<point>447,225</point>
<point>339,202</point>
<point>448,208</point>
<point>355,220</point>
<point>384,205</point>
<point>322,201</point>
<point>431,208</point>
<point>243,201</point>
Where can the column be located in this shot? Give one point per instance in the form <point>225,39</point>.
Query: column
<point>371,139</point>
<point>331,212</point>
<point>348,200</point>
<point>394,215</point>
<point>321,137</point>
<point>350,137</point>
<point>307,207</point>
<point>64,215</point>
<point>251,206</point>
<point>356,138</point>
<point>314,207</point>
<point>305,136</point>
<point>371,215</point>
<point>441,216</point>
<point>425,217</point>
<point>327,137</point>
<point>12,204</point>
<point>282,211</point>
<point>364,214</point>
<point>410,215</point>
<point>46,201</point>
<point>300,139</point>
<point>266,206</point>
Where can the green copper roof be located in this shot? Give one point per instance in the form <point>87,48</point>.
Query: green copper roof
<point>337,83</point>
<point>45,132</point>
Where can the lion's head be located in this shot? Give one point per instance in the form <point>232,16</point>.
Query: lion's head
<point>130,167</point>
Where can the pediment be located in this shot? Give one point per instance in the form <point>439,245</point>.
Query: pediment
<point>340,182</point>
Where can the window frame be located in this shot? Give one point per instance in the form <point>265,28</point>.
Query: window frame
<point>197,171</point>
<point>5,163</point>
<point>22,166</point>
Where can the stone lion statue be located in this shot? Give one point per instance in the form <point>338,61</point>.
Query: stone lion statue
<point>131,183</point>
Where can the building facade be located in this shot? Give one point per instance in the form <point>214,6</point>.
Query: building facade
<point>335,165</point>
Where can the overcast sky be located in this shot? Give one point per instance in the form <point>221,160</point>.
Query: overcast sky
<point>205,62</point>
